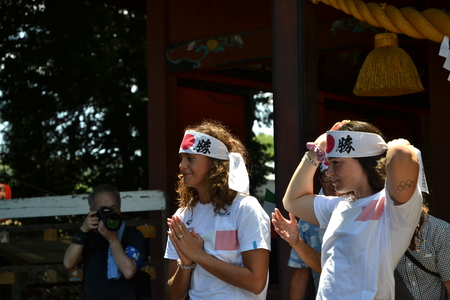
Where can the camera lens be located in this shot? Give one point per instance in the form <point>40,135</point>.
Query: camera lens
<point>113,222</point>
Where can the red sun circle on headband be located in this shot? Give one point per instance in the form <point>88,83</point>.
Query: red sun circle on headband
<point>188,141</point>
<point>330,143</point>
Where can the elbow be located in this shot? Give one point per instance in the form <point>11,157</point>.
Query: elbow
<point>258,288</point>
<point>68,265</point>
<point>129,274</point>
<point>259,284</point>
<point>287,204</point>
<point>401,153</point>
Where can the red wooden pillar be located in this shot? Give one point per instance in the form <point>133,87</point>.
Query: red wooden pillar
<point>160,115</point>
<point>295,100</point>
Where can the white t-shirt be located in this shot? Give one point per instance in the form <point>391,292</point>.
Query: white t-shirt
<point>363,243</point>
<point>242,227</point>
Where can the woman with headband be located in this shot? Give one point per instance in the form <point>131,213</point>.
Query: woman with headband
<point>219,236</point>
<point>370,226</point>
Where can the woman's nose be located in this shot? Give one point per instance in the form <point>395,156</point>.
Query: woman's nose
<point>329,171</point>
<point>182,164</point>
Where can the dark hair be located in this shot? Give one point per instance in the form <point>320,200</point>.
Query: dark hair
<point>374,166</point>
<point>100,189</point>
<point>219,192</point>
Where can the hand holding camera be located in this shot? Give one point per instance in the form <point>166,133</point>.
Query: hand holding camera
<point>90,222</point>
<point>111,220</point>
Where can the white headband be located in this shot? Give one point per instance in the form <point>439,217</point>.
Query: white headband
<point>342,143</point>
<point>203,144</point>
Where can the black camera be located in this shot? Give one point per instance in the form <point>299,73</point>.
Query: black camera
<point>110,218</point>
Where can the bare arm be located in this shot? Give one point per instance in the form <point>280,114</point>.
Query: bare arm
<point>299,196</point>
<point>309,255</point>
<point>179,281</point>
<point>126,265</point>
<point>402,171</point>
<point>288,230</point>
<point>73,255</point>
<point>252,276</point>
<point>299,284</point>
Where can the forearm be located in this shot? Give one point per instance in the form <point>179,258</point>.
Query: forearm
<point>299,284</point>
<point>178,285</point>
<point>301,182</point>
<point>126,265</point>
<point>252,279</point>
<point>73,256</point>
<point>309,255</point>
<point>299,196</point>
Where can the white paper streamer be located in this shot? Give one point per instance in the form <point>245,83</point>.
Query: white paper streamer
<point>444,50</point>
<point>447,63</point>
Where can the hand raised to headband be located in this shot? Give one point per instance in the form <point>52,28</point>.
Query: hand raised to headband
<point>320,144</point>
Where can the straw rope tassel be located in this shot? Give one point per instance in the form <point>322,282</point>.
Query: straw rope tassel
<point>388,70</point>
<point>432,23</point>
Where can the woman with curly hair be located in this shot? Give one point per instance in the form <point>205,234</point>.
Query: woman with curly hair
<point>219,238</point>
<point>370,225</point>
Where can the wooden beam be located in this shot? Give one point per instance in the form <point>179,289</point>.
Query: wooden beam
<point>226,50</point>
<point>77,204</point>
<point>73,226</point>
<point>245,82</point>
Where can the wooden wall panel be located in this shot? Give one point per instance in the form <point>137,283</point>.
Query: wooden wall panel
<point>196,105</point>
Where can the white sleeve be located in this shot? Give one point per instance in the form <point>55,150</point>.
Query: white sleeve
<point>253,225</point>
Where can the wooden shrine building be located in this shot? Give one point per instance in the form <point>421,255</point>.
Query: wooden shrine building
<point>201,55</point>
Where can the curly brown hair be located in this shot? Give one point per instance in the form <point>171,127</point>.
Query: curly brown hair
<point>374,166</point>
<point>219,192</point>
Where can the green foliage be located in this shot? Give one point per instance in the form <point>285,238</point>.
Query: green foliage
<point>267,141</point>
<point>263,109</point>
<point>72,97</point>
<point>66,78</point>
<point>261,146</point>
<point>260,159</point>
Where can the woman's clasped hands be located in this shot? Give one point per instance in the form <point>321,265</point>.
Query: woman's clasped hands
<point>189,244</point>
